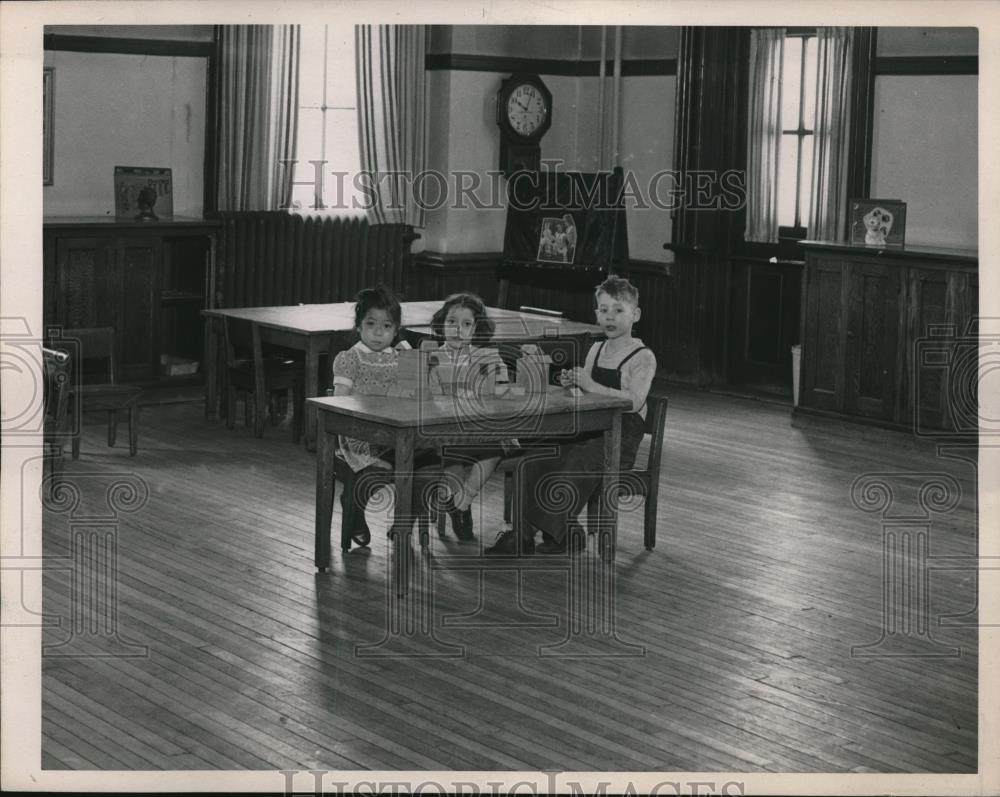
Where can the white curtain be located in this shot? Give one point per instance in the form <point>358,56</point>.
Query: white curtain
<point>391,118</point>
<point>828,212</point>
<point>257,110</point>
<point>767,49</point>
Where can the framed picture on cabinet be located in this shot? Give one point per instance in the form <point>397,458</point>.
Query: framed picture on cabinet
<point>143,193</point>
<point>878,222</point>
<point>557,241</point>
<point>48,87</point>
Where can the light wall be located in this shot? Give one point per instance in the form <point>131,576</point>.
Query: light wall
<point>464,136</point>
<point>125,110</point>
<point>925,152</point>
<point>925,139</point>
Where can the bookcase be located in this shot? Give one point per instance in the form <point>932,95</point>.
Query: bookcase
<point>147,280</point>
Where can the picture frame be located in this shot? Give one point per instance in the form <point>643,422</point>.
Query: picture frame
<point>48,137</point>
<point>143,193</point>
<point>878,222</point>
<point>557,239</point>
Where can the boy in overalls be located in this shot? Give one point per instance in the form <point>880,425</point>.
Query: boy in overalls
<point>620,366</point>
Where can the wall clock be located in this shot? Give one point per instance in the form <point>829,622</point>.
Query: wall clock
<point>524,115</point>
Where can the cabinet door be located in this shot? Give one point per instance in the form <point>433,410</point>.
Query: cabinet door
<point>942,378</point>
<point>870,339</point>
<point>823,333</point>
<point>138,323</point>
<point>88,289</point>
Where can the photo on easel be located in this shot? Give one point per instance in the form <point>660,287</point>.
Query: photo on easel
<point>557,242</point>
<point>143,193</point>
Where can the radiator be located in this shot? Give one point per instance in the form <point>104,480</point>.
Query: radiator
<point>274,258</point>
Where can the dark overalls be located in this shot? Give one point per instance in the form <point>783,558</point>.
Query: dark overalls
<point>557,489</point>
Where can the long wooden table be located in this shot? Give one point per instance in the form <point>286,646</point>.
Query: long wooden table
<point>318,328</point>
<point>409,424</point>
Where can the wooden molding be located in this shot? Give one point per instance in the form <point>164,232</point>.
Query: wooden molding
<point>452,261</point>
<point>656,268</point>
<point>927,65</point>
<point>631,67</point>
<point>128,46</point>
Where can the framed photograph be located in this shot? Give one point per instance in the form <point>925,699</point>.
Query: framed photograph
<point>144,193</point>
<point>48,88</point>
<point>878,222</point>
<point>557,242</point>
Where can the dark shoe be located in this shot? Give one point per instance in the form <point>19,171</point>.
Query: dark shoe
<point>506,545</point>
<point>361,537</point>
<point>461,520</point>
<point>466,525</point>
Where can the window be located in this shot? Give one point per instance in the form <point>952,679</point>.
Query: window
<point>328,121</point>
<point>798,114</point>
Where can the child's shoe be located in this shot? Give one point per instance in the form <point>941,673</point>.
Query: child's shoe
<point>461,519</point>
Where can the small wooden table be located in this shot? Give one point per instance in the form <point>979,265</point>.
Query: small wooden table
<point>318,328</point>
<point>408,424</point>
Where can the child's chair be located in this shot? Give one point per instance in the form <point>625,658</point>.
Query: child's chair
<point>359,487</point>
<point>57,368</point>
<point>250,372</point>
<point>99,390</point>
<point>638,481</point>
<point>643,482</point>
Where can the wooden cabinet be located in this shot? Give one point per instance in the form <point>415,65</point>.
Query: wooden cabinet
<point>149,281</point>
<point>881,332</point>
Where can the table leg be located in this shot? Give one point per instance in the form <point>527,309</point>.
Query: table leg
<point>211,368</point>
<point>324,498</point>
<point>314,347</point>
<point>608,510</point>
<point>402,525</point>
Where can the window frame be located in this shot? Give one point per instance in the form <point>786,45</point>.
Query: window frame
<point>798,230</point>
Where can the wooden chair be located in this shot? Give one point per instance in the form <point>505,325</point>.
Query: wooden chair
<point>645,481</point>
<point>638,481</point>
<point>250,372</point>
<point>57,368</point>
<point>368,481</point>
<point>97,345</point>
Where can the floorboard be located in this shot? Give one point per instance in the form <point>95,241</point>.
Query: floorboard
<point>731,648</point>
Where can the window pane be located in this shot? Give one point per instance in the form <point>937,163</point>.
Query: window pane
<point>790,80</point>
<point>809,105</point>
<point>341,89</point>
<point>311,65</point>
<point>786,180</point>
<point>807,181</point>
<point>343,156</point>
<point>309,147</point>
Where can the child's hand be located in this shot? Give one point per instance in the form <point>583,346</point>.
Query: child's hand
<point>582,379</point>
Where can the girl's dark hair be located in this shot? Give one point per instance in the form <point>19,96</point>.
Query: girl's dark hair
<point>380,298</point>
<point>484,324</point>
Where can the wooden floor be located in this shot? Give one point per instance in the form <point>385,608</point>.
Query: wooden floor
<point>214,644</point>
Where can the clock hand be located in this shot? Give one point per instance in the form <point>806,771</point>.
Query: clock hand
<point>519,103</point>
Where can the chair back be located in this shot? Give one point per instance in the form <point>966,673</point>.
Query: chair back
<point>656,422</point>
<point>57,366</point>
<point>242,339</point>
<point>242,346</point>
<point>97,345</point>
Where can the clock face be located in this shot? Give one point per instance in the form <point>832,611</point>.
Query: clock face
<point>526,109</point>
